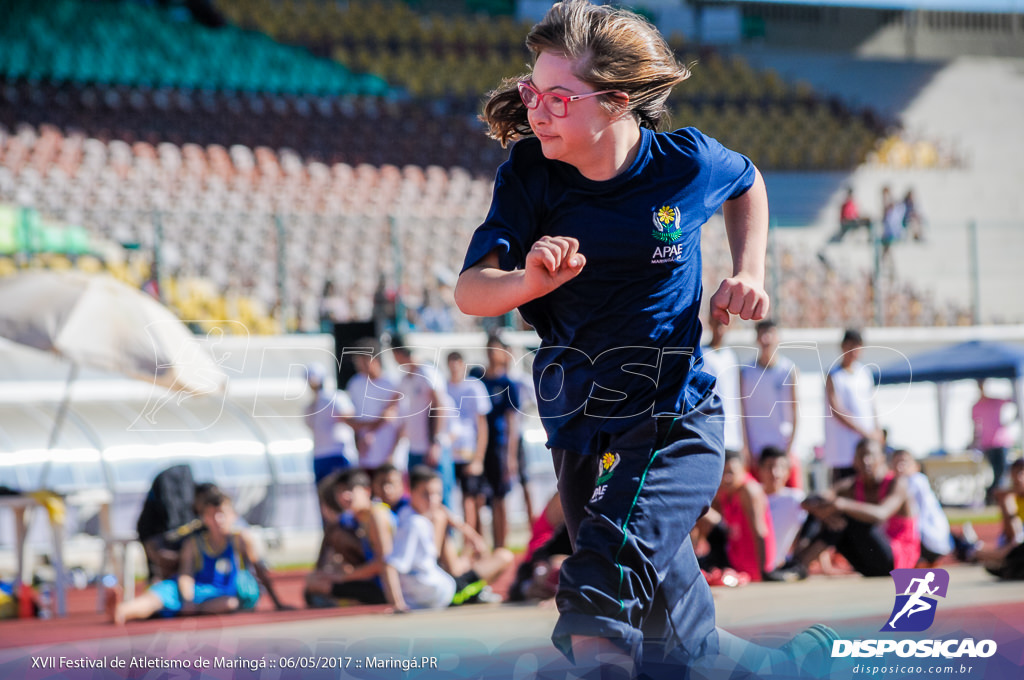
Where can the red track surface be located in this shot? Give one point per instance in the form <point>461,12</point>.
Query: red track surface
<point>84,622</point>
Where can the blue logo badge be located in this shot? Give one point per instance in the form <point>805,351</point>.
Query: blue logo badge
<point>916,589</point>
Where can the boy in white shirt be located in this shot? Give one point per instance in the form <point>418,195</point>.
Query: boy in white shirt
<point>413,577</point>
<point>784,503</point>
<point>932,522</point>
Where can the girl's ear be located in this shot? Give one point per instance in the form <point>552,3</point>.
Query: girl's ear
<point>620,100</point>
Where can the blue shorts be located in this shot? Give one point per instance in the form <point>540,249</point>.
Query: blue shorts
<point>633,577</point>
<point>170,596</point>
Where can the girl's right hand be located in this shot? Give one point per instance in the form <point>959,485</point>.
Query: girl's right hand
<point>551,262</point>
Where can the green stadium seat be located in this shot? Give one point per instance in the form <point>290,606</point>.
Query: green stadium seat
<point>134,45</point>
<point>9,238</point>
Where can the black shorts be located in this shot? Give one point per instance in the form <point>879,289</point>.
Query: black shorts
<point>839,473</point>
<point>865,546</point>
<point>471,485</point>
<point>496,472</point>
<point>521,456</point>
<point>364,592</point>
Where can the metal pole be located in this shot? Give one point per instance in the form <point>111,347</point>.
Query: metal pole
<point>974,266</point>
<point>941,399</point>
<point>282,272</point>
<point>1018,400</point>
<point>775,276</point>
<point>876,243</point>
<point>158,242</point>
<point>58,423</point>
<point>911,21</point>
<point>401,319</point>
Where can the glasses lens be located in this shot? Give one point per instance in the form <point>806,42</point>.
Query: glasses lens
<point>529,96</point>
<point>557,105</point>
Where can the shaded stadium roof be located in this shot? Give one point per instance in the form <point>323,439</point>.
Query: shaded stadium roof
<point>974,360</point>
<point>999,6</point>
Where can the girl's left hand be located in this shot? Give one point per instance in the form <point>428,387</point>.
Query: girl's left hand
<point>741,295</point>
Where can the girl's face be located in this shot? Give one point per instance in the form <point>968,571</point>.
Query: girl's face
<point>573,139</point>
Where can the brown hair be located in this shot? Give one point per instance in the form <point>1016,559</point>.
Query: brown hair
<point>612,49</point>
<point>421,474</point>
<point>208,495</point>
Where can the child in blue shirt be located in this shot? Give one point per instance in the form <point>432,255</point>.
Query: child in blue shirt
<point>214,577</point>
<point>594,234</point>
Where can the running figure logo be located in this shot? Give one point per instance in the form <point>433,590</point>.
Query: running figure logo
<point>914,609</point>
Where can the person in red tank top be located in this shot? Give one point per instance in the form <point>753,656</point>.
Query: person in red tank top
<point>870,519</point>
<point>739,525</point>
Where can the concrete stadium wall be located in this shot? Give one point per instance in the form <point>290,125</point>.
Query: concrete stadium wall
<point>917,34</point>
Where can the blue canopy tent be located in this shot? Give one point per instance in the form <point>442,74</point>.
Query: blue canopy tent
<point>974,360</point>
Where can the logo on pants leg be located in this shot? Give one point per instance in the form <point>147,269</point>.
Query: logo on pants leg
<point>609,462</point>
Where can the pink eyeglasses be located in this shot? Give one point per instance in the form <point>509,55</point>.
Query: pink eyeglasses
<point>556,104</point>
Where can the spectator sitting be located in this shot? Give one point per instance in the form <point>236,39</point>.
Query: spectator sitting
<point>214,576</point>
<point>1011,506</point>
<point>936,539</point>
<point>474,550</point>
<point>388,487</point>
<point>357,537</point>
<point>167,518</point>
<point>784,503</point>
<point>869,518</point>
<point>738,528</point>
<point>1006,560</point>
<point>537,574</point>
<point>849,218</point>
<point>414,579</point>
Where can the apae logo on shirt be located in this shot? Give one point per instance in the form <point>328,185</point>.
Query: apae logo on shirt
<point>667,230</point>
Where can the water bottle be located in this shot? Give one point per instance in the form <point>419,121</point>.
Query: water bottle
<point>45,601</point>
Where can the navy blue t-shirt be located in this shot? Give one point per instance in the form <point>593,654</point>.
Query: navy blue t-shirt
<point>504,394</point>
<point>620,342</point>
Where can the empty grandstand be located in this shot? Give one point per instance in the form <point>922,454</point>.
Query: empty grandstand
<point>292,151</point>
